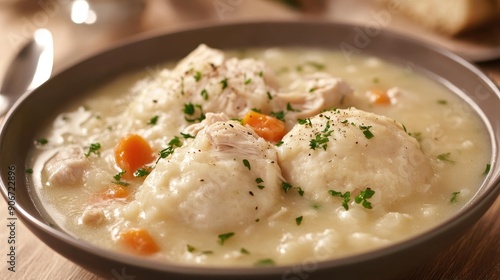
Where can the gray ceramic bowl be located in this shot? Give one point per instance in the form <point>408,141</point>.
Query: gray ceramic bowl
<point>32,111</point>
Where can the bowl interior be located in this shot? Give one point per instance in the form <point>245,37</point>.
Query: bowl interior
<point>33,112</point>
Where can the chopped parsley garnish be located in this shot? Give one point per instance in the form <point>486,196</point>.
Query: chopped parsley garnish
<point>118,178</point>
<point>153,120</point>
<point>279,115</point>
<point>120,183</point>
<point>487,169</point>
<point>376,80</point>
<point>93,149</point>
<point>29,171</point>
<point>186,135</point>
<point>305,121</point>
<point>290,108</point>
<point>141,172</point>
<point>225,236</point>
<point>320,141</point>
<point>345,196</point>
<point>204,94</point>
<point>224,83</point>
<point>265,262</point>
<point>317,65</point>
<point>300,191</point>
<point>256,110</point>
<point>445,157</point>
<point>279,143</point>
<point>41,141</point>
<point>286,186</point>
<point>176,142</point>
<point>269,96</point>
<point>244,251</point>
<point>298,220</point>
<point>119,175</point>
<point>258,181</point>
<point>363,197</point>
<point>247,81</point>
<point>261,74</point>
<point>454,197</point>
<point>197,76</point>
<point>190,110</point>
<point>442,102</point>
<point>366,131</point>
<point>190,248</point>
<point>207,252</point>
<point>247,164</point>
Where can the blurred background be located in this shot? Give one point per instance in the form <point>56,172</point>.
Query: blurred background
<point>82,27</point>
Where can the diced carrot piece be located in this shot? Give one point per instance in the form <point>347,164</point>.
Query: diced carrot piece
<point>113,192</point>
<point>267,127</point>
<point>131,153</point>
<point>139,241</point>
<point>379,97</point>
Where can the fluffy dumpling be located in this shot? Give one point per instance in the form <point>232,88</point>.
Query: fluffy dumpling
<point>351,150</point>
<point>225,178</point>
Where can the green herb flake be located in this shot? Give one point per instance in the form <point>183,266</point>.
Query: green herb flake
<point>279,143</point>
<point>224,84</point>
<point>366,131</point>
<point>244,251</point>
<point>153,120</point>
<point>454,197</point>
<point>248,81</point>
<point>225,236</point>
<point>345,196</point>
<point>93,149</point>
<point>119,175</point>
<point>204,94</point>
<point>487,169</point>
<point>261,73</point>
<point>363,197</point>
<point>120,183</point>
<point>300,191</point>
<point>286,186</point>
<point>290,108</point>
<point>29,171</point>
<point>265,262</point>
<point>197,76</point>
<point>317,65</point>
<point>269,96</point>
<point>442,102</point>
<point>306,122</point>
<point>246,163</point>
<point>376,80</point>
<point>190,248</point>
<point>175,142</point>
<point>279,115</point>
<point>320,141</point>
<point>445,157</point>
<point>186,135</point>
<point>41,141</point>
<point>141,173</point>
<point>259,180</point>
<point>298,220</point>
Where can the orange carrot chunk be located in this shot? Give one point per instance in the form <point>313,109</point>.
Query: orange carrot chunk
<point>379,97</point>
<point>139,241</point>
<point>131,153</point>
<point>267,127</point>
<point>113,192</point>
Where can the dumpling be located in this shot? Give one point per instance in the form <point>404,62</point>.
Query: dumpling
<point>225,178</point>
<point>351,150</point>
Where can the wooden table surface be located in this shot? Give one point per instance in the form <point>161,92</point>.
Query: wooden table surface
<point>475,256</point>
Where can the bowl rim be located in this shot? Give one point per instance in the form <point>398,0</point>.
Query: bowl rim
<point>484,200</point>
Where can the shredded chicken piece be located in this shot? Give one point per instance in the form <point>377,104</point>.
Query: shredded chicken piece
<point>66,168</point>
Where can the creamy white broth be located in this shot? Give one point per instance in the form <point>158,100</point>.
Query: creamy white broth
<point>451,136</point>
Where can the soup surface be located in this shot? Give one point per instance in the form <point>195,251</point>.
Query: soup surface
<point>259,157</point>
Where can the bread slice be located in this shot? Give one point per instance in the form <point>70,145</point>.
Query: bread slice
<point>450,17</point>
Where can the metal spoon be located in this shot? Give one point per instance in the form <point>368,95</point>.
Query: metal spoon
<point>31,67</point>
